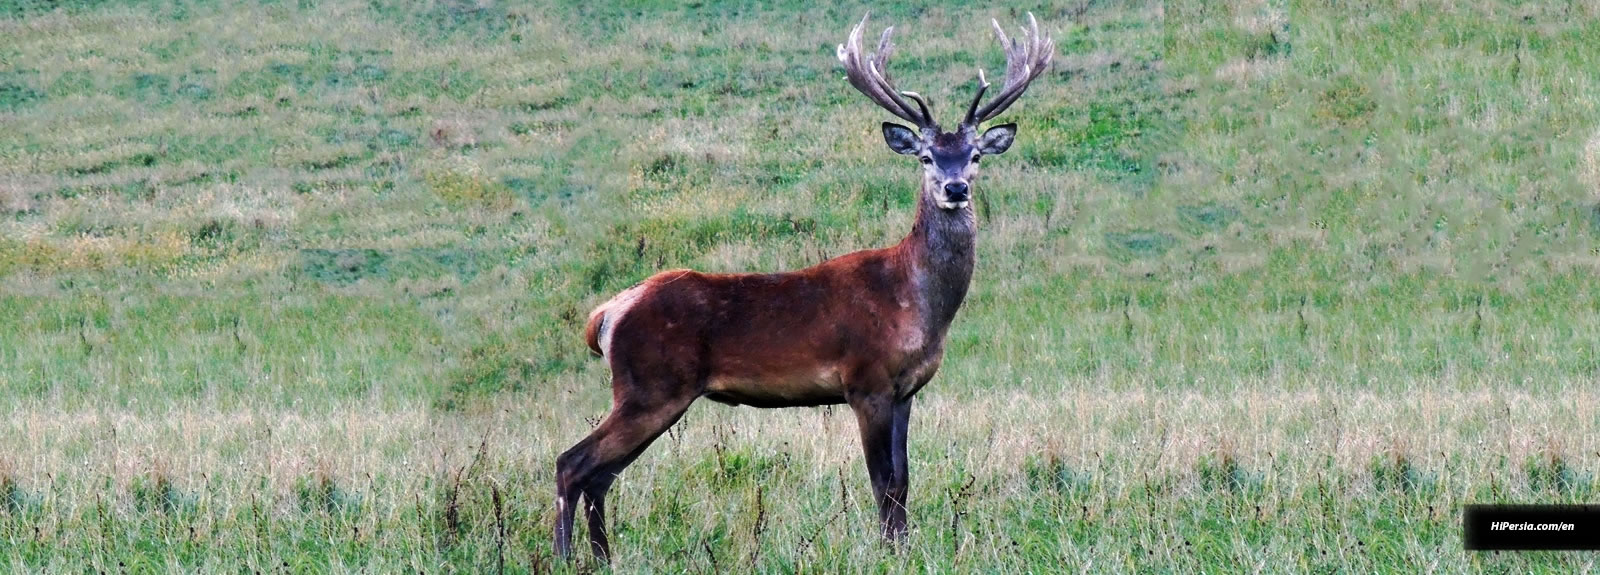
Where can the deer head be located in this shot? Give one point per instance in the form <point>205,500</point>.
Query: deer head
<point>949,159</point>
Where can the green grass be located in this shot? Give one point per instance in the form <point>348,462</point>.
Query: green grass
<point>1272,285</point>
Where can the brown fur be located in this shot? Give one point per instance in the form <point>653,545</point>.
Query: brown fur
<point>775,340</point>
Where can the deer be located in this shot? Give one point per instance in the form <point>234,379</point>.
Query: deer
<point>865,329</point>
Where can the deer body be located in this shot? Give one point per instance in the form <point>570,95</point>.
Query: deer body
<point>865,329</point>
<point>788,339</point>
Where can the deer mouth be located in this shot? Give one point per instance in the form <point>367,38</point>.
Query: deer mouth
<point>952,206</point>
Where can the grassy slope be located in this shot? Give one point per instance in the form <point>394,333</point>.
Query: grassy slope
<point>1261,283</point>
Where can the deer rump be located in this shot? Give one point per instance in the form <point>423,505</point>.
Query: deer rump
<point>772,340</point>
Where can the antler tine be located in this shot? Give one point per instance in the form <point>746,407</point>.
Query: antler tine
<point>983,86</point>
<point>880,64</point>
<point>1026,58</point>
<point>1038,52</point>
<point>921,103</point>
<point>869,75</point>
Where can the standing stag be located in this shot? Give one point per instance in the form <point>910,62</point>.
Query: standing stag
<point>866,328</point>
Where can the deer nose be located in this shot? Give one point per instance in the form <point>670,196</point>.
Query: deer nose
<point>955,191</point>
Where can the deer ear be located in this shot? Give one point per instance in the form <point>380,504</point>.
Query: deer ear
<point>998,139</point>
<point>900,138</point>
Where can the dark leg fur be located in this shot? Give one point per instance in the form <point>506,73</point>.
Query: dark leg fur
<point>898,485</point>
<point>883,441</point>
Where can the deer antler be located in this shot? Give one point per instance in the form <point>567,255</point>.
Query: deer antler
<point>1025,60</point>
<point>870,75</point>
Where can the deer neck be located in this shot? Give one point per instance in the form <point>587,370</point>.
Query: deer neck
<point>942,250</point>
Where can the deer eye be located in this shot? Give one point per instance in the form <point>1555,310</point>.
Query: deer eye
<point>926,160</point>
<point>976,157</point>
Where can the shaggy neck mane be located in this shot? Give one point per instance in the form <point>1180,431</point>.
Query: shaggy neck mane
<point>942,248</point>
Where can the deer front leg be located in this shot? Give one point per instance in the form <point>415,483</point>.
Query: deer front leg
<point>875,415</point>
<point>901,478</point>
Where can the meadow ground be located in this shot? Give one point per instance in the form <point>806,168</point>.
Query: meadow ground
<point>1263,286</point>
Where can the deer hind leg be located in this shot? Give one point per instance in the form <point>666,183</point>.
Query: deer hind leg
<point>589,468</point>
<point>594,496</point>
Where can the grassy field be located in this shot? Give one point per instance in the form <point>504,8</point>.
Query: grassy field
<point>1268,286</point>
